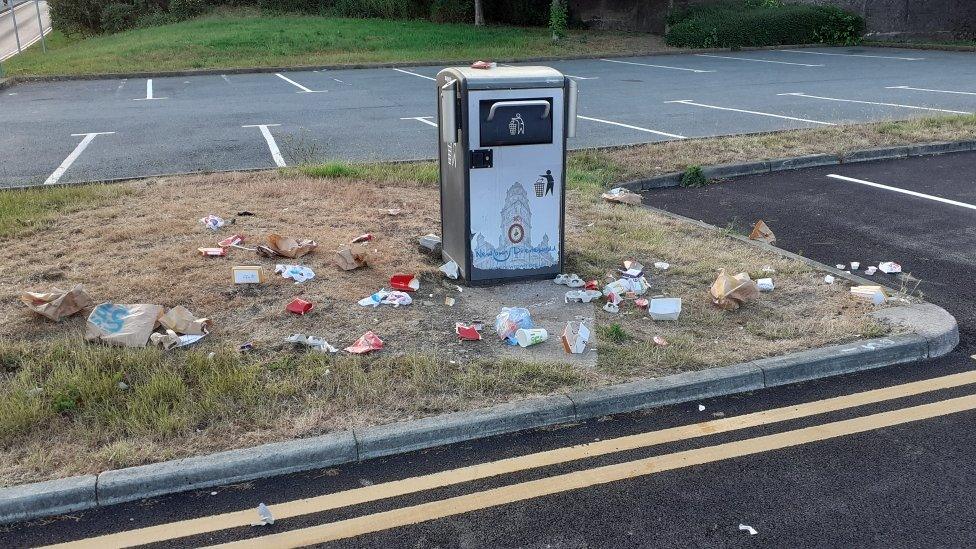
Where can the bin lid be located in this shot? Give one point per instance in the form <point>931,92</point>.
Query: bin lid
<point>504,77</point>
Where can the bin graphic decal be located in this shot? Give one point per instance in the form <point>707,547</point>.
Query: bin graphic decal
<point>515,248</point>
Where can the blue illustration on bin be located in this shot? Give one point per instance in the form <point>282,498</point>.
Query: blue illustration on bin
<point>515,249</point>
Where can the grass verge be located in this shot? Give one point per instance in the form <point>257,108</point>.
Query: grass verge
<point>249,38</point>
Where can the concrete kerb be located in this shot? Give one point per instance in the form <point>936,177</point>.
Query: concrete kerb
<point>725,171</point>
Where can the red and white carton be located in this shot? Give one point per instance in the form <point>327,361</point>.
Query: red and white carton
<point>467,332</point>
<point>232,240</point>
<point>212,252</point>
<point>365,237</point>
<point>299,306</point>
<point>405,282</point>
<point>366,343</point>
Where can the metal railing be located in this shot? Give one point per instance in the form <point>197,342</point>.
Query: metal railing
<point>9,7</point>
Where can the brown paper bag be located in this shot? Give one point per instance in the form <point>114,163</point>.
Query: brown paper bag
<point>349,260</point>
<point>286,246</point>
<point>730,292</point>
<point>57,303</point>
<point>125,325</point>
<point>182,321</point>
<point>762,233</point>
<point>622,196</point>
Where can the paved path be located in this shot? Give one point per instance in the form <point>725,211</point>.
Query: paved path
<point>199,123</point>
<point>893,485</point>
<point>27,27</point>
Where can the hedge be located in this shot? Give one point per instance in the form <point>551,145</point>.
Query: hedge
<point>743,24</point>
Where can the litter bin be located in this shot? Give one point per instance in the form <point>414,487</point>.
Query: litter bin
<point>502,150</point>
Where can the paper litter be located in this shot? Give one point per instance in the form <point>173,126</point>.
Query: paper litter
<point>57,303</point>
<point>366,343</point>
<point>297,273</point>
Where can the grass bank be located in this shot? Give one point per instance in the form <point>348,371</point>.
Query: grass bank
<point>249,38</point>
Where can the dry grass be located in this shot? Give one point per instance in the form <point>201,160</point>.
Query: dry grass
<point>61,408</point>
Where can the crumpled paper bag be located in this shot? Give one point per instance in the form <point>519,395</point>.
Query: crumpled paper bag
<point>286,246</point>
<point>182,321</point>
<point>125,325</point>
<point>762,233</point>
<point>730,292</point>
<point>57,303</point>
<point>622,196</point>
<point>348,260</point>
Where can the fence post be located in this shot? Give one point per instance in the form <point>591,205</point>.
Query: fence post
<point>40,24</point>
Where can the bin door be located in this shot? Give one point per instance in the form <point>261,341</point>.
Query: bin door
<point>516,200</point>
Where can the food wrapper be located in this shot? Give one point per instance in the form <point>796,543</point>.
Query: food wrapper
<point>622,196</point>
<point>575,336</point>
<point>730,292</point>
<point>182,321</point>
<point>286,246</point>
<point>57,304</point>
<point>125,325</point>
<point>367,343</point>
<point>348,260</point>
<point>762,233</point>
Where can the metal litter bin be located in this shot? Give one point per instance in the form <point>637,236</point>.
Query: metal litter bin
<point>502,149</point>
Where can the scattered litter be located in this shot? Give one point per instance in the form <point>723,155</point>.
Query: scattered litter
<point>244,213</point>
<point>212,252</point>
<point>642,303</point>
<point>451,270</point>
<point>661,265</point>
<point>431,243</point>
<point>582,296</point>
<point>622,196</point>
<point>375,299</point>
<point>233,240</point>
<point>855,265</point>
<point>874,294</point>
<point>299,306</point>
<point>249,275</point>
<point>611,307</point>
<point>123,386</point>
<point>315,343</point>
<point>840,266</point>
<point>368,342</point>
<point>348,260</point>
<point>660,341</point>
<point>458,288</point>
<point>765,285</point>
<point>870,270</point>
<point>762,233</point>
<point>212,222</point>
<point>575,337</point>
<point>245,347</point>
<point>701,407</point>
<point>632,269</point>
<point>527,337</point>
<point>829,279</point>
<point>768,269</point>
<point>213,493</point>
<point>397,298</point>
<point>592,285</point>
<point>731,292</point>
<point>392,211</point>
<point>666,308</point>
<point>449,301</point>
<point>404,282</point>
<point>510,320</point>
<point>622,286</point>
<point>57,303</point>
<point>746,528</point>
<point>125,325</point>
<point>297,273</point>
<point>889,267</point>
<point>265,517</point>
<point>468,332</point>
<point>170,339</point>
<point>365,237</point>
<point>484,65</point>
<point>571,280</point>
<point>182,321</point>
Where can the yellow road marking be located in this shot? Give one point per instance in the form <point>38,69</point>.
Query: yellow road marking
<point>600,475</point>
<point>202,525</point>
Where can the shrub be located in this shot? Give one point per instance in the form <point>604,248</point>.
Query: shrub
<point>558,19</point>
<point>452,11</point>
<point>385,9</point>
<point>735,24</point>
<point>694,177</point>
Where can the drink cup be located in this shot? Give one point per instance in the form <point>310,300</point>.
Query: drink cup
<point>530,336</point>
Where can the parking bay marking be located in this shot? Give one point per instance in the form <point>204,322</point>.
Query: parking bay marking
<point>903,191</point>
<point>690,102</point>
<point>423,119</point>
<point>856,55</point>
<point>414,74</point>
<point>272,146</point>
<point>356,496</point>
<point>297,85</point>
<point>797,94</point>
<point>149,92</point>
<point>756,60</point>
<point>598,476</point>
<point>88,138</point>
<point>654,66</point>
<point>928,90</point>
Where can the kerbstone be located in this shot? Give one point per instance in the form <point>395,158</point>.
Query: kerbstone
<point>47,498</point>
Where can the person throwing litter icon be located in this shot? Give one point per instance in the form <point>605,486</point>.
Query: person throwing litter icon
<point>549,181</point>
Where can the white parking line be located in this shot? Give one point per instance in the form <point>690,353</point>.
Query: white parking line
<point>564,74</point>
<point>690,102</point>
<point>56,176</point>
<point>224,76</point>
<point>904,191</point>
<point>272,146</point>
<point>927,90</point>
<point>856,55</point>
<point>414,74</point>
<point>655,66</point>
<point>756,60</point>
<point>638,128</point>
<point>421,119</point>
<point>297,85</point>
<point>149,92</point>
<point>874,103</point>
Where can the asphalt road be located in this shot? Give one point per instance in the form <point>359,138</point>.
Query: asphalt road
<point>205,123</point>
<point>907,485</point>
<point>27,28</point>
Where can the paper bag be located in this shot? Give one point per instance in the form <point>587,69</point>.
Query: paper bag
<point>348,260</point>
<point>730,292</point>
<point>622,196</point>
<point>575,336</point>
<point>182,321</point>
<point>286,246</point>
<point>125,325</point>
<point>57,304</point>
<point>762,233</point>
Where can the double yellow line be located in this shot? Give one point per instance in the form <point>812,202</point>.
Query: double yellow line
<point>561,483</point>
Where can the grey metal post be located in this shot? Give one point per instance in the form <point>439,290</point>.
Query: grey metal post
<point>40,24</point>
<point>13,15</point>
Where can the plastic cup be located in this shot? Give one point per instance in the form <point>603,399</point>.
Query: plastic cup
<point>855,265</point>
<point>531,336</point>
